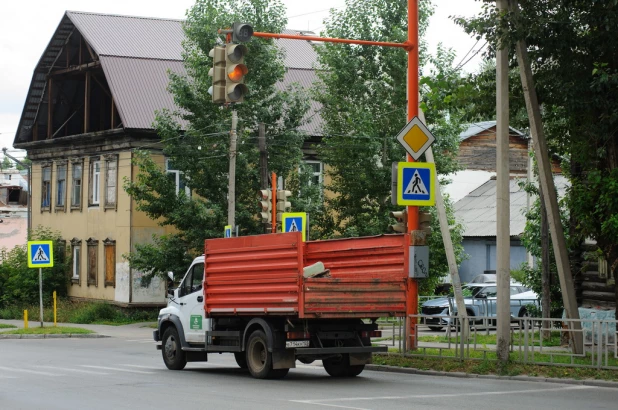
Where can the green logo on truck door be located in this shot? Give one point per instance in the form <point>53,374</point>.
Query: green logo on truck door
<point>196,321</point>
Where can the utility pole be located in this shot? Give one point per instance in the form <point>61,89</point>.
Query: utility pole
<point>503,203</point>
<point>231,194</point>
<point>549,192</point>
<point>545,269</point>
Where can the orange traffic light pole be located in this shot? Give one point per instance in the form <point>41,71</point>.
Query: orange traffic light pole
<point>411,46</point>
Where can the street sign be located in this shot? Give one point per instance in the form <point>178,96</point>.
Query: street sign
<point>40,254</point>
<point>294,222</point>
<point>416,184</point>
<point>415,138</point>
<point>227,233</point>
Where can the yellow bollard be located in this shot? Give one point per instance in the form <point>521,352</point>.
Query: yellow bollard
<point>54,308</point>
<point>25,319</point>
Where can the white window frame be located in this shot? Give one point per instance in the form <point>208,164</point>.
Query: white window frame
<point>61,185</point>
<point>96,182</point>
<point>76,200</point>
<point>176,174</point>
<point>319,174</point>
<point>76,251</point>
<point>111,181</point>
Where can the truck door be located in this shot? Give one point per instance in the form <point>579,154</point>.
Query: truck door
<point>191,300</point>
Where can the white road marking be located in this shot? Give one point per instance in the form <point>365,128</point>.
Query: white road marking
<point>143,367</point>
<point>30,371</point>
<point>115,369</point>
<point>325,402</point>
<point>8,377</point>
<point>140,340</point>
<point>72,370</point>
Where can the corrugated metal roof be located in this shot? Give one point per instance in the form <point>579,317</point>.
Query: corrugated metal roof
<point>477,211</point>
<point>135,54</point>
<point>139,87</point>
<point>477,127</point>
<point>126,36</point>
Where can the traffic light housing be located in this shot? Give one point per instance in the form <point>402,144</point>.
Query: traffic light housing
<point>217,72</point>
<point>283,205</point>
<point>235,71</point>
<point>424,222</point>
<point>266,205</point>
<point>402,221</point>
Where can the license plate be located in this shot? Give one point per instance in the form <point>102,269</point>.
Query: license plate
<point>297,343</point>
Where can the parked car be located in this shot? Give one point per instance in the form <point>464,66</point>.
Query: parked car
<point>481,303</point>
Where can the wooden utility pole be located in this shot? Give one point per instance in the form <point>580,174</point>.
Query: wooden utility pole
<point>231,193</point>
<point>549,192</point>
<point>545,269</point>
<point>503,203</point>
<point>448,246</point>
<point>263,163</point>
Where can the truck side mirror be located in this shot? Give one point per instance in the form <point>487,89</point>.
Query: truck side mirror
<point>170,275</point>
<point>170,291</point>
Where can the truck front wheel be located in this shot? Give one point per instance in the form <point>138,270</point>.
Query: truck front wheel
<point>173,356</point>
<point>260,360</point>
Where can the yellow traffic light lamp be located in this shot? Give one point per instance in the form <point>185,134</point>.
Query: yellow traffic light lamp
<point>266,205</point>
<point>283,205</point>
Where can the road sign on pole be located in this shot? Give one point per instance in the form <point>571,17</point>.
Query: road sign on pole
<point>416,184</point>
<point>294,222</point>
<point>40,254</point>
<point>415,138</point>
<point>227,233</point>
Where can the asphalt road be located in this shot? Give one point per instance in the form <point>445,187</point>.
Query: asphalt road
<point>126,372</point>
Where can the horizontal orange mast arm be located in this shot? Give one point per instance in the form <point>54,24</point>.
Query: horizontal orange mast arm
<point>406,45</point>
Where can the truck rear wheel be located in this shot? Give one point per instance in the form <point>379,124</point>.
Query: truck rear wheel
<point>241,359</point>
<point>340,367</point>
<point>260,360</point>
<point>173,356</point>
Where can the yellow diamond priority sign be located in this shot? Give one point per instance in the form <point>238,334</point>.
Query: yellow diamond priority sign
<point>415,138</point>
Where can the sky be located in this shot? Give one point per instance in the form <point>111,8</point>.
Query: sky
<point>26,27</point>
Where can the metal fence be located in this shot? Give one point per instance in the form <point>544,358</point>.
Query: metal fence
<point>533,340</point>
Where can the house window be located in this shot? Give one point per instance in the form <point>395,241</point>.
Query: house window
<point>46,188</point>
<point>7,177</point>
<point>316,172</point>
<point>93,250</point>
<point>76,251</point>
<point>61,185</point>
<point>111,177</point>
<point>109,246</point>
<point>175,175</point>
<point>95,181</point>
<point>76,186</point>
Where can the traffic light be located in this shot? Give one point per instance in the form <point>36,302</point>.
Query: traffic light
<point>235,71</point>
<point>424,222</point>
<point>241,32</point>
<point>402,221</point>
<point>217,72</point>
<point>266,205</point>
<point>282,203</point>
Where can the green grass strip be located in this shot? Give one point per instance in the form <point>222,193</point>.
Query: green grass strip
<point>60,330</point>
<point>5,326</point>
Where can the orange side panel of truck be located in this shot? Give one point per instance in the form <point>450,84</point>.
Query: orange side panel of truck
<point>263,275</point>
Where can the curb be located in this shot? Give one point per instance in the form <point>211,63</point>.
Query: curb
<point>54,336</point>
<point>409,370</point>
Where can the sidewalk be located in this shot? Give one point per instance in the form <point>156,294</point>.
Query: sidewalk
<point>131,331</point>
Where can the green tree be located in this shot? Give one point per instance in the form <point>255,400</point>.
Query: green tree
<point>363,94</point>
<point>6,163</point>
<point>19,284</point>
<point>574,58</point>
<point>199,148</point>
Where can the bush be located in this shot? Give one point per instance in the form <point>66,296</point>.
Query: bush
<point>19,284</point>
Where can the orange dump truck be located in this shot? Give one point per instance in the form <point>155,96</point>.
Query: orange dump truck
<point>273,299</point>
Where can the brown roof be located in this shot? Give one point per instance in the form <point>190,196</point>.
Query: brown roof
<point>135,54</point>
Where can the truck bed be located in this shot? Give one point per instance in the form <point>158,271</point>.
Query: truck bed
<point>263,275</point>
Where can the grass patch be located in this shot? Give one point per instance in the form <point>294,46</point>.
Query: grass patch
<point>83,312</point>
<point>60,330</point>
<point>5,326</point>
<point>488,366</point>
<point>517,339</point>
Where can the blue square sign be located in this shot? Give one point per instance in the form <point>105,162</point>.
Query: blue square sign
<point>40,254</point>
<point>416,184</point>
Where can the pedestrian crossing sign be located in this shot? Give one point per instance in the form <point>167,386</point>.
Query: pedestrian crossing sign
<point>40,254</point>
<point>295,222</point>
<point>227,233</point>
<point>416,184</point>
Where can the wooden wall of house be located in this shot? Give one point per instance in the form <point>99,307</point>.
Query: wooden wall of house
<point>479,153</point>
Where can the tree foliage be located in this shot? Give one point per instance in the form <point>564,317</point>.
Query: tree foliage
<point>574,59</point>
<point>363,97</point>
<point>196,137</point>
<point>19,284</point>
